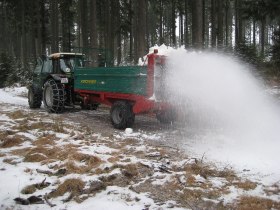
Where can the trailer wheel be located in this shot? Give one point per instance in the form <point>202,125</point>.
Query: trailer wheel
<point>54,96</point>
<point>34,97</point>
<point>121,115</point>
<point>167,116</point>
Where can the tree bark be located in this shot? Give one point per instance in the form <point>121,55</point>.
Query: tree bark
<point>93,31</point>
<point>220,23</point>
<point>84,21</point>
<point>213,24</point>
<point>54,26</point>
<point>140,29</point>
<point>197,32</point>
<point>173,24</point>
<point>186,40</point>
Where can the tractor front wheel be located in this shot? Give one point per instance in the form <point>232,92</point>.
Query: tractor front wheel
<point>54,96</point>
<point>121,115</point>
<point>34,97</point>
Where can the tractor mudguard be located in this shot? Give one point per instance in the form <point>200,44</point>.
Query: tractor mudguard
<point>62,78</point>
<point>57,77</point>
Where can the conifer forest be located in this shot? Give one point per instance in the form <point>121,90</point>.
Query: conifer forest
<point>126,29</point>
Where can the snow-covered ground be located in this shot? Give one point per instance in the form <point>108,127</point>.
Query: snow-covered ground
<point>118,155</point>
<point>11,96</point>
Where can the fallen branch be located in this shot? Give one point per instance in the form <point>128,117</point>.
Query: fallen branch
<point>44,172</point>
<point>48,202</point>
<point>42,183</point>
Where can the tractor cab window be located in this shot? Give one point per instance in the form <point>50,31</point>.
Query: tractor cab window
<point>66,65</point>
<point>38,67</point>
<point>78,62</point>
<point>47,68</point>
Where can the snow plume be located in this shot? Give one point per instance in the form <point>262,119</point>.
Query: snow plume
<point>234,119</point>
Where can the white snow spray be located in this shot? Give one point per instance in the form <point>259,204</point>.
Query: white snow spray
<point>230,115</point>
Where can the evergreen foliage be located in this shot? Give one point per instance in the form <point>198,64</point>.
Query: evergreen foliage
<point>127,28</point>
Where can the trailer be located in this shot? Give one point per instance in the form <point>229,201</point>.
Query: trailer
<point>128,90</point>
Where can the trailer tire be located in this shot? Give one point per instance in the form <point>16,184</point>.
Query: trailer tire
<point>34,97</point>
<point>54,96</point>
<point>121,115</point>
<point>167,116</point>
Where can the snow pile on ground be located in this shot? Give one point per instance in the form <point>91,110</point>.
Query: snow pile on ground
<point>14,95</point>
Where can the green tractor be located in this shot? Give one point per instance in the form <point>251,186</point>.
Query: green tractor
<point>53,80</point>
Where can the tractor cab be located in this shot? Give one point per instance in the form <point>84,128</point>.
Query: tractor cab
<point>65,62</point>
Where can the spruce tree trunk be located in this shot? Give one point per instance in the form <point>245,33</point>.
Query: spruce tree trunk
<point>239,26</point>
<point>84,21</point>
<point>93,31</point>
<point>197,24</point>
<point>228,23</point>
<point>213,24</point>
<point>118,31</point>
<point>140,30</point>
<point>161,39</point>
<point>43,28</point>
<point>220,23</point>
<point>131,20</point>
<point>262,36</point>
<point>173,24</point>
<point>254,33</point>
<point>54,26</point>
<point>23,35</point>
<point>186,40</point>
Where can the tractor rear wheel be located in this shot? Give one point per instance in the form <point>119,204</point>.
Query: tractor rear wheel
<point>54,96</point>
<point>34,97</point>
<point>121,115</point>
<point>167,116</point>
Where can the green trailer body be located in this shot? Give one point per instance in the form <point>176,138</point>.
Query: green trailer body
<point>125,79</point>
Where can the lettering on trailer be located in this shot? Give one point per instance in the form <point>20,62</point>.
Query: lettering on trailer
<point>88,81</point>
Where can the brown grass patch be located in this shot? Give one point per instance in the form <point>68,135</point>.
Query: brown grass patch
<point>73,186</point>
<point>21,152</point>
<point>206,171</point>
<point>256,203</point>
<point>246,185</point>
<point>58,125</point>
<point>22,126</point>
<point>2,155</point>
<point>53,153</point>
<point>130,170</point>
<point>273,190</point>
<point>37,157</point>
<point>191,180</point>
<point>27,124</point>
<point>3,134</point>
<point>11,161</point>
<point>12,141</point>
<point>30,189</point>
<point>16,114</point>
<point>89,162</point>
<point>201,169</point>
<point>45,140</point>
<point>113,159</point>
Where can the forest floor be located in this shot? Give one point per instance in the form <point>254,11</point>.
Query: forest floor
<point>76,160</point>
